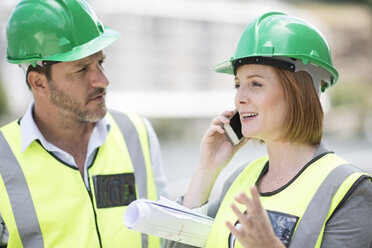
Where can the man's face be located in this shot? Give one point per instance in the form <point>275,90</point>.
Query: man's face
<point>78,88</point>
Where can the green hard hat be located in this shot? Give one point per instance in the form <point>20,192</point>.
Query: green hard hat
<point>277,36</point>
<point>55,30</point>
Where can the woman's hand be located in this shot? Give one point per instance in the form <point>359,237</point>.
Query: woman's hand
<point>216,151</point>
<point>255,228</point>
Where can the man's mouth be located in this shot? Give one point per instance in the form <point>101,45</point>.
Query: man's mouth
<point>98,97</point>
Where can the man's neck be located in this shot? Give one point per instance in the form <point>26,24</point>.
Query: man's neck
<point>69,135</point>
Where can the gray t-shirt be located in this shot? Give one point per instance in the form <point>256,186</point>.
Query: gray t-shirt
<point>349,226</point>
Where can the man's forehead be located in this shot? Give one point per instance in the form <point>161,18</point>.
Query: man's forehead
<point>97,56</point>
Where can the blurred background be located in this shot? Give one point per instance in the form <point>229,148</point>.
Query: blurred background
<point>162,68</point>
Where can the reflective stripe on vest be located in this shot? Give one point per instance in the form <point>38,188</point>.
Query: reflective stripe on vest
<point>311,223</point>
<point>26,217</point>
<point>292,202</point>
<point>15,183</point>
<point>135,151</point>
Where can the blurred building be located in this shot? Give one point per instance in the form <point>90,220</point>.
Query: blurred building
<point>162,67</point>
<point>168,50</point>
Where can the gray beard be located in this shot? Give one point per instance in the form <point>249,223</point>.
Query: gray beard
<point>70,105</point>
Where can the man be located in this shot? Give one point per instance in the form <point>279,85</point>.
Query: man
<point>68,168</point>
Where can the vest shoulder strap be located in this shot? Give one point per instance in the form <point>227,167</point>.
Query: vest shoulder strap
<point>19,195</point>
<point>129,132</point>
<point>131,137</point>
<point>311,223</point>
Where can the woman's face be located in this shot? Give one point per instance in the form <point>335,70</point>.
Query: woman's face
<point>260,101</point>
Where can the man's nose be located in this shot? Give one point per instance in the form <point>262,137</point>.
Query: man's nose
<point>98,78</point>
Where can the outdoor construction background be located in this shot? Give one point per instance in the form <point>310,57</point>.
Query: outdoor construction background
<point>162,68</point>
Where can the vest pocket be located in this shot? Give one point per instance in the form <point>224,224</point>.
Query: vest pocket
<point>114,190</point>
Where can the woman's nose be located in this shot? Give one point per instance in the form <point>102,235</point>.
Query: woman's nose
<point>241,97</point>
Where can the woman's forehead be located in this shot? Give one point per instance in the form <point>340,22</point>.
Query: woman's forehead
<point>252,70</point>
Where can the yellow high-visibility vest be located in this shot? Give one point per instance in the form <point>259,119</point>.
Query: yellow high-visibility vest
<point>293,208</point>
<point>45,202</point>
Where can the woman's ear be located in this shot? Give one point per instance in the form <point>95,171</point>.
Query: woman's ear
<point>38,82</point>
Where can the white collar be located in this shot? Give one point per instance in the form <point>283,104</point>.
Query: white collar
<point>30,132</point>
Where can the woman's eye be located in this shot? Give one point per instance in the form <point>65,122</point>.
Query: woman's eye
<point>236,86</point>
<point>255,84</point>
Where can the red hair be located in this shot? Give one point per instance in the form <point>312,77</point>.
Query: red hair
<point>304,122</point>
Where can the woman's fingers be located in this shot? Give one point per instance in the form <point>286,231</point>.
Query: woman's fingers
<point>237,231</point>
<point>216,123</point>
<point>253,205</point>
<point>228,113</point>
<point>244,219</point>
<point>215,128</point>
<point>254,227</point>
<point>223,118</point>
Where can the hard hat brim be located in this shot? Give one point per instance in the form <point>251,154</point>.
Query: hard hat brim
<point>224,67</point>
<point>107,38</point>
<point>228,68</point>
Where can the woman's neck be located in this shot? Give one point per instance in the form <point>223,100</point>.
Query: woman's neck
<point>286,160</point>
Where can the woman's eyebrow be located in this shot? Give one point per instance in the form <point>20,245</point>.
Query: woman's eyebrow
<point>249,76</point>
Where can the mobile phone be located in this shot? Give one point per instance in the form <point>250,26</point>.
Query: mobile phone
<point>233,131</point>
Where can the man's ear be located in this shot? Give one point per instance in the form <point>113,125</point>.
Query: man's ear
<point>38,82</point>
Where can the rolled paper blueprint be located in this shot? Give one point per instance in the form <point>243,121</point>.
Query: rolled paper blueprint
<point>169,220</point>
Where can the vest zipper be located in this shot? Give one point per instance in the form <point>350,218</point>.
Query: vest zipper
<point>88,190</point>
<point>95,215</point>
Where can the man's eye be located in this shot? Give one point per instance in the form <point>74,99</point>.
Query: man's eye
<point>236,86</point>
<point>101,64</point>
<point>82,69</point>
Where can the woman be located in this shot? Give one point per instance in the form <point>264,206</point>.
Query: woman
<point>300,194</point>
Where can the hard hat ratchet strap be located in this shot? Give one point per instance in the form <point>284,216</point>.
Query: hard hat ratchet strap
<point>49,63</point>
<point>264,61</point>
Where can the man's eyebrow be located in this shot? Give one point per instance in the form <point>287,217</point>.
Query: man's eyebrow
<point>83,63</point>
<point>88,61</point>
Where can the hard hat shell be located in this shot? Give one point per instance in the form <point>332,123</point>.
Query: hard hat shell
<point>278,35</point>
<point>56,30</point>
